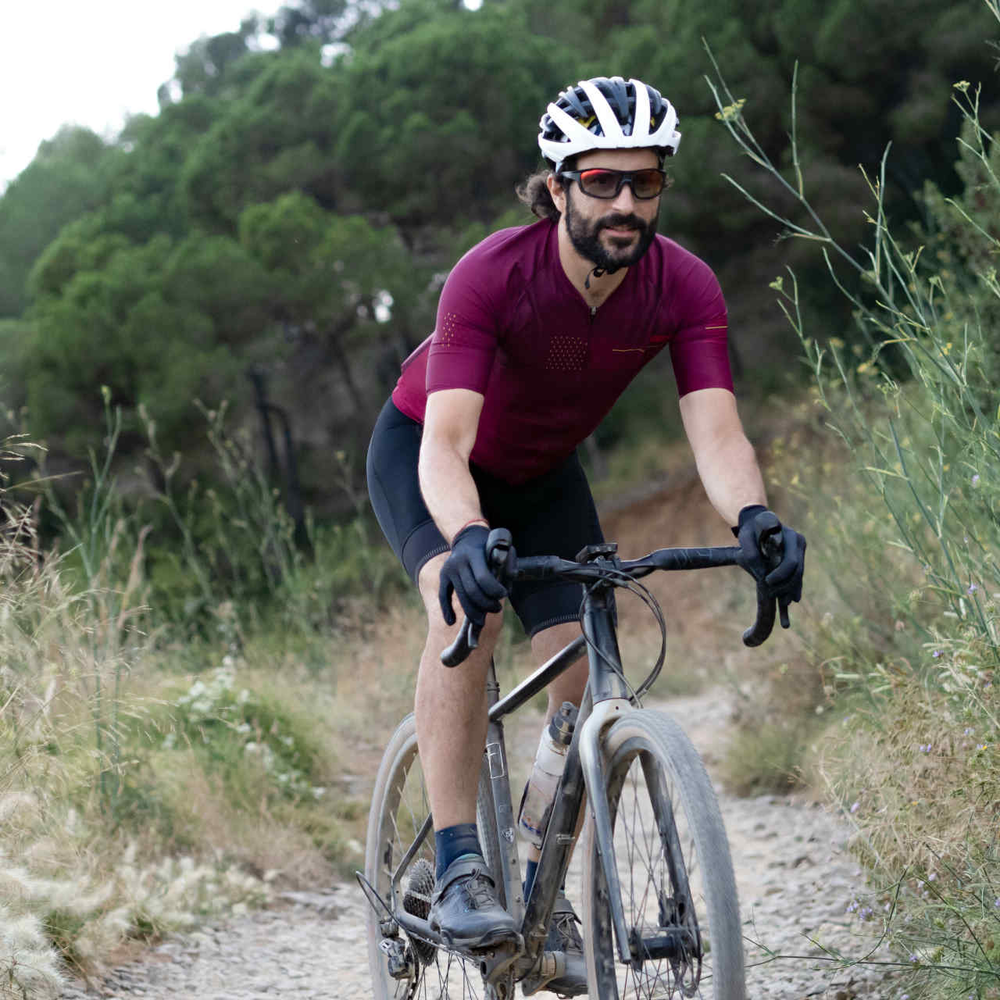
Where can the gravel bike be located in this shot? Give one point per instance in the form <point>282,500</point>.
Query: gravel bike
<point>659,907</point>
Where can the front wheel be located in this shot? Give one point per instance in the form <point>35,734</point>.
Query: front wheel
<point>402,968</point>
<point>676,875</point>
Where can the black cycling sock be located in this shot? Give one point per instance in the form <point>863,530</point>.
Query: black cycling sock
<point>454,841</point>
<point>529,877</point>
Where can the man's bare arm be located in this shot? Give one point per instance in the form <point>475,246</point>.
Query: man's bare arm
<point>450,424</point>
<point>725,458</point>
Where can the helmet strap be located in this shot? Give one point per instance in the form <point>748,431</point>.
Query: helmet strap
<point>597,272</point>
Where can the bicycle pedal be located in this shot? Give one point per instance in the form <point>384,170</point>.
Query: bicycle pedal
<point>495,961</point>
<point>550,965</point>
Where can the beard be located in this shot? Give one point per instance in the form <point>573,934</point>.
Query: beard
<point>585,235</point>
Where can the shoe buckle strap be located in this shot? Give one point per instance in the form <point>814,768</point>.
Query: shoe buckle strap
<point>472,869</point>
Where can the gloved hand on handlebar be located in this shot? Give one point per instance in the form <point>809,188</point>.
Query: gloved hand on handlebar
<point>759,538</point>
<point>467,573</point>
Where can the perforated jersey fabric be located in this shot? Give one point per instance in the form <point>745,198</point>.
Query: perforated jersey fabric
<point>511,326</point>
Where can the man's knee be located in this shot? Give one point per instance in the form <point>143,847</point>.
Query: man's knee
<point>428,581</point>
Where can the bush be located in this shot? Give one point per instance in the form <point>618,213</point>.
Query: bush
<point>914,762</point>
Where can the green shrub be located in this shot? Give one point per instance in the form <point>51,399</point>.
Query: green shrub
<point>914,554</point>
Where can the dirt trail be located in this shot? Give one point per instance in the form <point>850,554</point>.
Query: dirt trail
<point>795,880</point>
<point>795,876</point>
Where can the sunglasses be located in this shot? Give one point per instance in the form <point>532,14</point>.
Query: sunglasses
<point>600,182</point>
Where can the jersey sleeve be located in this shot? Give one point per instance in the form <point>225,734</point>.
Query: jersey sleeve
<point>699,350</point>
<point>464,343</point>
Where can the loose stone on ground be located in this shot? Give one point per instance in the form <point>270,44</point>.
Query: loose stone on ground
<point>795,876</point>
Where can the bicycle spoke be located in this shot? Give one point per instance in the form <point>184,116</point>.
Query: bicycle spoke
<point>401,809</point>
<point>673,868</point>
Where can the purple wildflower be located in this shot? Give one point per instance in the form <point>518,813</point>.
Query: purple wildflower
<point>972,589</point>
<point>855,807</point>
<point>937,653</point>
<point>975,479</point>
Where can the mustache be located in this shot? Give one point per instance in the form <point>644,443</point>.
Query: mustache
<point>621,221</point>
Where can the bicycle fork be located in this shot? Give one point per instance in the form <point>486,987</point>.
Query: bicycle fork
<point>604,714</point>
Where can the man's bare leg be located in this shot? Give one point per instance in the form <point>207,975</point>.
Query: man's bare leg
<point>451,734</point>
<point>450,709</point>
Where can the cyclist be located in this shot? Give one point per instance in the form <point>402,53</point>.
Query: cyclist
<point>539,329</point>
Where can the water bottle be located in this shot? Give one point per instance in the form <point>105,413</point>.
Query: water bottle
<point>536,804</point>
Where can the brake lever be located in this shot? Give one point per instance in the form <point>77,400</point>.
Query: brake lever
<point>502,559</point>
<point>772,548</point>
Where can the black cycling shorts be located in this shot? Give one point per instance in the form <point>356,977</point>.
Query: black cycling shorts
<point>551,515</point>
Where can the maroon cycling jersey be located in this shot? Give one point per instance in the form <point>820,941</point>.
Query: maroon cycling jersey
<point>511,326</point>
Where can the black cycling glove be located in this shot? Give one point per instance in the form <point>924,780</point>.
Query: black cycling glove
<point>467,573</point>
<point>757,535</point>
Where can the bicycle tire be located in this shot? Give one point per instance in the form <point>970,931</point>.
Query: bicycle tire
<point>398,809</point>
<point>641,749</point>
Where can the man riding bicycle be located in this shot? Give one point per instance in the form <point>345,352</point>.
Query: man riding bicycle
<point>539,330</point>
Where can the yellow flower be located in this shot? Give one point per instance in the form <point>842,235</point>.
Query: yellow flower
<point>731,111</point>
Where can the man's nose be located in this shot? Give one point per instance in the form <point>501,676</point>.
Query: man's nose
<point>624,201</point>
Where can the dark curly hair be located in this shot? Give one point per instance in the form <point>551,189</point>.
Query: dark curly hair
<point>534,193</point>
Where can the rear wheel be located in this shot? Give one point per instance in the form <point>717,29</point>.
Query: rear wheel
<point>674,868</point>
<point>398,810</point>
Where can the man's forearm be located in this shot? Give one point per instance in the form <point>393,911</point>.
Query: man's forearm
<point>448,489</point>
<point>731,476</point>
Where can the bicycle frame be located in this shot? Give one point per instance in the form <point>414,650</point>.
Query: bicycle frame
<point>606,698</point>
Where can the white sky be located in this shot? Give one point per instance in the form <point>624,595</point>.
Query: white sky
<point>93,63</point>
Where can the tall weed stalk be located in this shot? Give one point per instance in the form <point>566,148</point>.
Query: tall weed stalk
<point>913,395</point>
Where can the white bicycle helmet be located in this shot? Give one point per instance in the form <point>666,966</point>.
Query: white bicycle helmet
<point>607,113</point>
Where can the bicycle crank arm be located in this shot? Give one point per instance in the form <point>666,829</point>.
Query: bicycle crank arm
<point>495,962</point>
<point>603,715</point>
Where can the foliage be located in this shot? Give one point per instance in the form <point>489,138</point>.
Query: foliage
<point>195,248</point>
<point>914,764</point>
<point>131,805</point>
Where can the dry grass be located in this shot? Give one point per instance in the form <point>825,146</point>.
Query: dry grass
<point>134,801</point>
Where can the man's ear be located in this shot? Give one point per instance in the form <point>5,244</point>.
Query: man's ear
<point>557,191</point>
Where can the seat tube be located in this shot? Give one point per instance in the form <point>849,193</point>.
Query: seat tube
<point>496,763</point>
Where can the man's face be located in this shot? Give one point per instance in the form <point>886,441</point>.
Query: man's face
<point>612,233</point>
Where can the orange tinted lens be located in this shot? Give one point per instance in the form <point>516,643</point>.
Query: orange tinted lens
<point>599,183</point>
<point>647,183</point>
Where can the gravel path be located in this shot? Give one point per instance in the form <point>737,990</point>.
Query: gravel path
<point>795,878</point>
